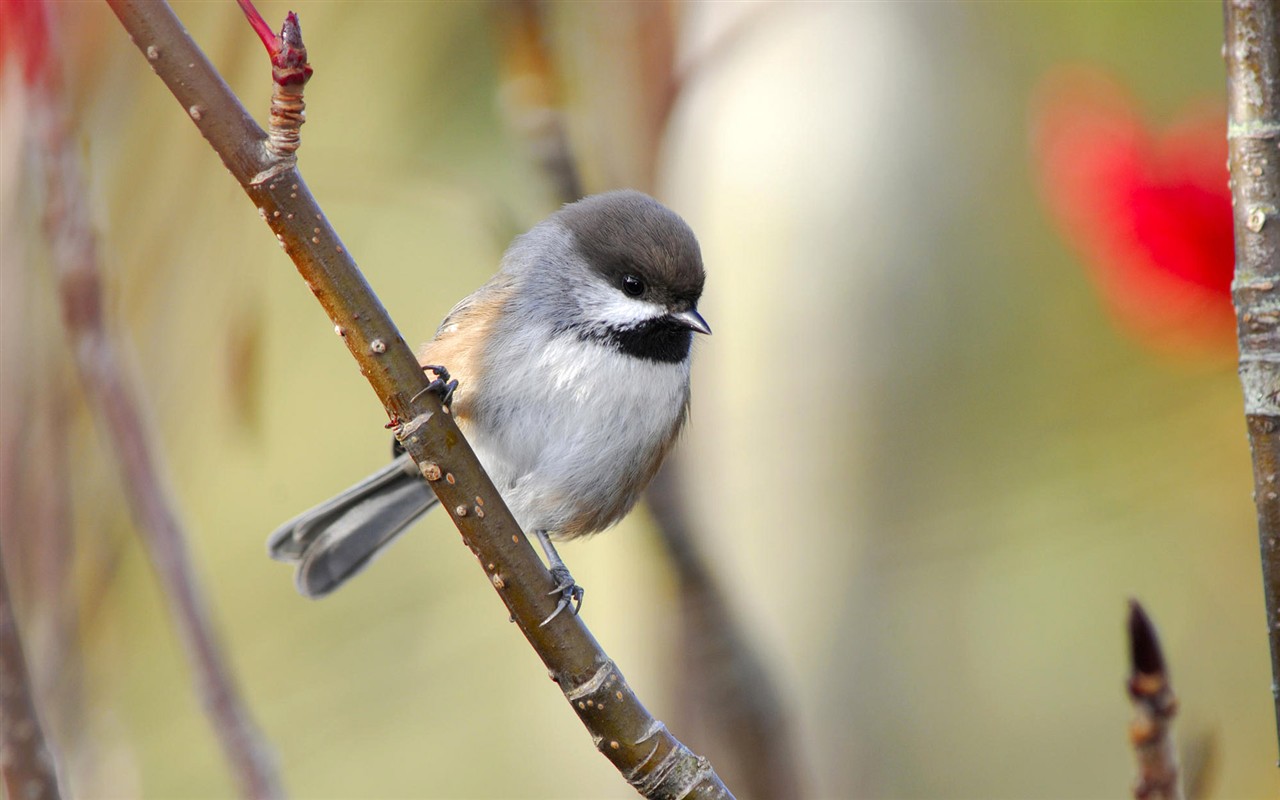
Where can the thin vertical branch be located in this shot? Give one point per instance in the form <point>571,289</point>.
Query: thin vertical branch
<point>1253,132</point>
<point>117,406</point>
<point>26,763</point>
<point>530,96</point>
<point>735,697</point>
<point>1154,706</point>
<point>35,493</point>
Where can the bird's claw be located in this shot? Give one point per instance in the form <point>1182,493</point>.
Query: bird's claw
<point>570,593</point>
<point>443,386</point>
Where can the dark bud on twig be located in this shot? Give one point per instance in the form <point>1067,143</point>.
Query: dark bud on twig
<point>1154,705</point>
<point>1144,647</point>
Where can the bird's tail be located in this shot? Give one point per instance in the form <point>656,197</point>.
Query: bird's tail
<point>337,538</point>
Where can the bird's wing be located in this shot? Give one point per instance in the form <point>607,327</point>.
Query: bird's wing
<point>459,342</point>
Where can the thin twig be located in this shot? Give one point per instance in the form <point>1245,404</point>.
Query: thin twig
<point>734,695</point>
<point>530,95</point>
<point>640,747</point>
<point>35,506</point>
<point>117,407</point>
<point>261,27</point>
<point>26,763</point>
<point>748,22</point>
<point>1253,132</point>
<point>1198,765</point>
<point>1154,706</point>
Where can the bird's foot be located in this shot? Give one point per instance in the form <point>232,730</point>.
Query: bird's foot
<point>568,590</point>
<point>443,386</point>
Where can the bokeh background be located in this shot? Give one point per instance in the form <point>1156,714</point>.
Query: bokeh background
<point>971,388</point>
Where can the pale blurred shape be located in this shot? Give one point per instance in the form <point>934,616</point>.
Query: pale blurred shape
<point>800,191</point>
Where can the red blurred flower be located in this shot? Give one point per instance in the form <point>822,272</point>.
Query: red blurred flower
<point>24,38</point>
<point>1149,211</point>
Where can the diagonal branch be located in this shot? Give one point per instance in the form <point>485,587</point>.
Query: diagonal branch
<point>1253,132</point>
<point>641,748</point>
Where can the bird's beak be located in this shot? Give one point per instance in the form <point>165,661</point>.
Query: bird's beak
<point>692,320</point>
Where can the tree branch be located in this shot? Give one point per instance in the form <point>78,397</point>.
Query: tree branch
<point>648,756</point>
<point>737,699</point>
<point>1253,131</point>
<point>26,763</point>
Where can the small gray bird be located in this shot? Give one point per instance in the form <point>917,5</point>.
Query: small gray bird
<point>571,369</point>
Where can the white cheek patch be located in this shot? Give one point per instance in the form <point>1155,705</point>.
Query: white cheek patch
<point>603,304</point>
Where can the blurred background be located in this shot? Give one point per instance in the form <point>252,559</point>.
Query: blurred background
<point>971,387</point>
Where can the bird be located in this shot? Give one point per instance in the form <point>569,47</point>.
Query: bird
<point>569,374</point>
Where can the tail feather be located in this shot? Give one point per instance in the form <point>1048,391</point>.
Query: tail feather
<point>336,539</point>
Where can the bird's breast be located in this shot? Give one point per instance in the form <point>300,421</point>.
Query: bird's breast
<point>572,431</point>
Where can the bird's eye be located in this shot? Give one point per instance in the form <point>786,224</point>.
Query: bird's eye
<point>632,285</point>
